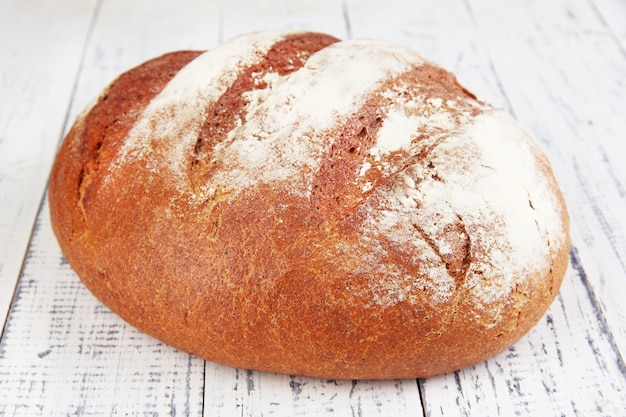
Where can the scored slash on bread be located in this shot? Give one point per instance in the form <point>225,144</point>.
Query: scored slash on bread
<point>294,203</point>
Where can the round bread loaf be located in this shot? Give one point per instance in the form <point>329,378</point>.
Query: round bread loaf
<point>293,203</point>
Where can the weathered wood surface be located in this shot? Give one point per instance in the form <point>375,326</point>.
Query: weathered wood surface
<point>37,78</point>
<point>558,66</point>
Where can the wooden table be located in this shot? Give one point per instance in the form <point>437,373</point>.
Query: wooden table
<point>558,66</point>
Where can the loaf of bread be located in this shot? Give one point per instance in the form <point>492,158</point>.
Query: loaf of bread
<point>293,203</point>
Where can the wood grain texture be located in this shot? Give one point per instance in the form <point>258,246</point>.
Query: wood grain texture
<point>101,366</point>
<point>249,15</point>
<point>575,120</point>
<point>504,43</point>
<point>444,34</point>
<point>125,35</point>
<point>557,66</point>
<point>64,353</point>
<point>35,89</point>
<point>613,14</point>
<point>250,393</point>
<point>544,373</point>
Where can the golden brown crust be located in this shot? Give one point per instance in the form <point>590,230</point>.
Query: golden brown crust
<point>271,279</point>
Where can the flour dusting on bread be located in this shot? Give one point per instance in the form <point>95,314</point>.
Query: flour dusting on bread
<point>476,165</point>
<point>294,203</point>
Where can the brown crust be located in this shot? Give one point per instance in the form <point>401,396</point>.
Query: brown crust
<point>283,58</point>
<point>249,281</point>
<point>99,132</point>
<point>334,192</point>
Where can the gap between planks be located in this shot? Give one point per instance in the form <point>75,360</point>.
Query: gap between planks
<point>7,299</point>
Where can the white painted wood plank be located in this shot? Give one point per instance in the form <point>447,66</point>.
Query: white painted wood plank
<point>563,75</point>
<point>442,32</point>
<point>251,393</point>
<point>64,353</point>
<point>230,391</point>
<point>553,366</point>
<point>532,376</point>
<point>567,365</point>
<point>40,45</point>
<point>245,16</point>
<point>613,12</point>
<point>127,34</point>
